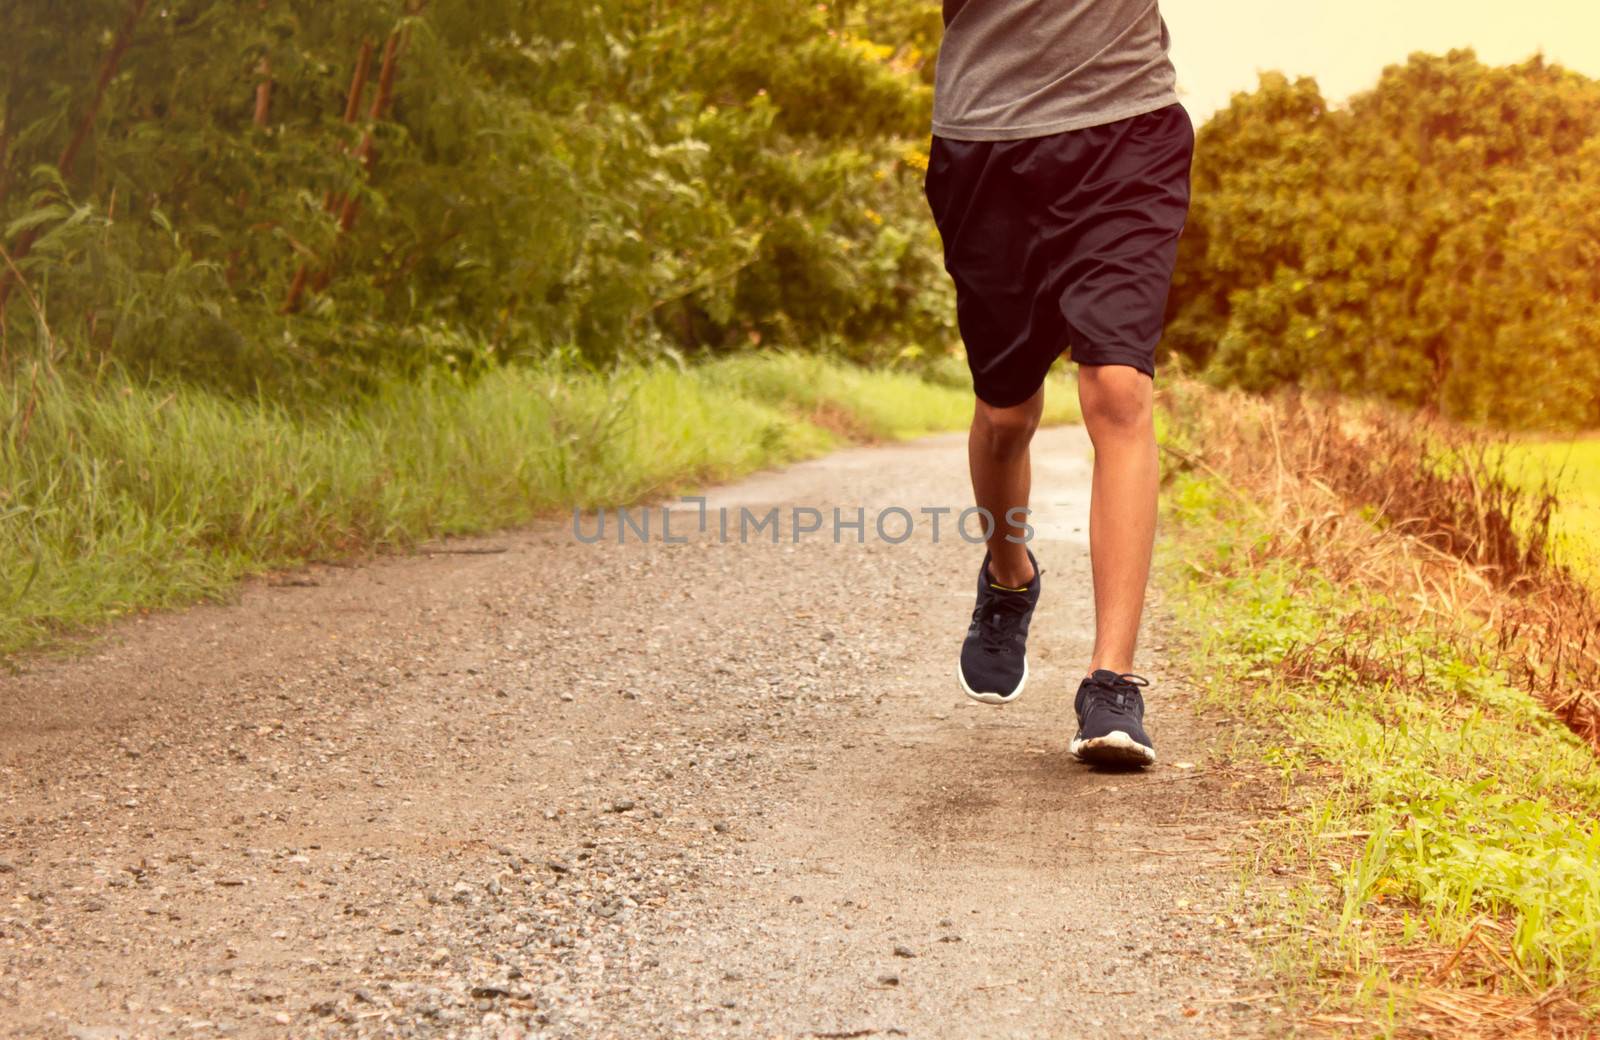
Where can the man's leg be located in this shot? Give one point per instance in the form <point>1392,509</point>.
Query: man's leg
<point>1118,412</point>
<point>994,655</point>
<point>997,452</point>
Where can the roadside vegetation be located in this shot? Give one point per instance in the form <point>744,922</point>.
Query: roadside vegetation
<point>320,278</point>
<point>1377,595</point>
<point>118,497</point>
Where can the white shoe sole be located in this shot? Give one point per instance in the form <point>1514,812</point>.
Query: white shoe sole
<point>993,698</point>
<point>1114,749</point>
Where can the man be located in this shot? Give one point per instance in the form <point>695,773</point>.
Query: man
<point>1059,180</point>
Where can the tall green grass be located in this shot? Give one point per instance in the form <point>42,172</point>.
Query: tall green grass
<point>881,404</point>
<point>115,498</point>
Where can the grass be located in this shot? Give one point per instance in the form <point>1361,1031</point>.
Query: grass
<point>116,498</point>
<point>1573,466</point>
<point>1441,845</point>
<point>1437,805</point>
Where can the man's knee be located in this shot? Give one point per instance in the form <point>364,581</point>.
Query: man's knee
<point>1006,431</point>
<point>1115,399</point>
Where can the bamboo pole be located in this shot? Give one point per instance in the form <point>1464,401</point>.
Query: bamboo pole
<point>380,105</point>
<point>332,202</point>
<point>69,155</point>
<point>263,92</point>
<point>108,68</point>
<point>6,119</point>
<point>348,205</point>
<point>358,82</point>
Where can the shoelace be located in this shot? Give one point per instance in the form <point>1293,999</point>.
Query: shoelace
<point>997,621</point>
<point>1112,695</point>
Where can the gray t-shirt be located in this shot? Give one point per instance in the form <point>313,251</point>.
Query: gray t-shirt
<point>1010,69</point>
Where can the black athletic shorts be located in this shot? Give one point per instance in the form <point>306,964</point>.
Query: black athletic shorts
<point>1063,241</point>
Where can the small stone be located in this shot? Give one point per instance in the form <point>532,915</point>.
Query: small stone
<point>568,697</point>
<point>721,826</point>
<point>559,867</point>
<point>439,956</point>
<point>622,805</point>
<point>904,951</point>
<point>888,979</point>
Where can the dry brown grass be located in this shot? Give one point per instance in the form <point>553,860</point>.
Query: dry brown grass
<point>1416,507</point>
<point>1459,993</point>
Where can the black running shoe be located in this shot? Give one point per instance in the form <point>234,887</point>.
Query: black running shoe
<point>994,661</point>
<point>1111,721</point>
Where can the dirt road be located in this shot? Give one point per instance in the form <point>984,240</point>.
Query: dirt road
<point>535,787</point>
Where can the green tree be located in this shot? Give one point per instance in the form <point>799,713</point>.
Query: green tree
<point>616,178</point>
<point>1431,242</point>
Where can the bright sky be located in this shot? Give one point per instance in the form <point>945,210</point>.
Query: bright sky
<point>1220,45</point>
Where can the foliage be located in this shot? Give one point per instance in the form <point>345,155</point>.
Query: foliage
<point>1436,242</point>
<point>117,496</point>
<point>626,177</point>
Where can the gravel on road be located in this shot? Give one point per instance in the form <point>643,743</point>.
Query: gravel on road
<point>525,785</point>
